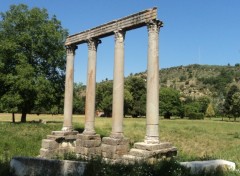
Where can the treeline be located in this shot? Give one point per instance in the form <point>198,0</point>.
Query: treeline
<point>171,101</point>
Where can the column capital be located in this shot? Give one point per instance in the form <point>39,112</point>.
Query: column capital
<point>120,35</point>
<point>154,26</point>
<point>93,43</point>
<point>71,49</point>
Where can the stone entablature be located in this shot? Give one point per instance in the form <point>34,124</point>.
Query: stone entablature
<point>127,23</point>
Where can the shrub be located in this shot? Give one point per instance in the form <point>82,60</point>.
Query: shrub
<point>196,116</point>
<point>164,168</point>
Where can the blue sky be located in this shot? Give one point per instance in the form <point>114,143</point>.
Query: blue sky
<point>195,31</point>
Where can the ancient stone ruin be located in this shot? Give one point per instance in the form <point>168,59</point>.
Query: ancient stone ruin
<point>116,146</point>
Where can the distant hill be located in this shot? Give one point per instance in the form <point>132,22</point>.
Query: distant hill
<point>199,80</point>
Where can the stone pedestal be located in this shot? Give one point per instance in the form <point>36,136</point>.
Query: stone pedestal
<point>88,146</point>
<point>150,152</point>
<point>58,143</point>
<point>114,148</point>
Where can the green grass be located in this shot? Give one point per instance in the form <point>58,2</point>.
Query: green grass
<point>195,139</point>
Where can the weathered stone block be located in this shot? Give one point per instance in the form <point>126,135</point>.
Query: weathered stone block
<point>209,166</point>
<point>64,133</point>
<point>71,137</point>
<point>88,143</point>
<point>108,148</point>
<point>89,137</point>
<point>49,144</point>
<point>54,137</point>
<point>152,147</point>
<point>140,153</point>
<point>23,166</point>
<point>107,154</point>
<point>122,149</point>
<point>115,141</point>
<point>88,151</point>
<point>46,153</point>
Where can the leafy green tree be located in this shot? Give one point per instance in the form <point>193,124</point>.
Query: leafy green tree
<point>235,110</point>
<point>203,102</point>
<point>31,59</point>
<point>169,102</point>
<point>79,98</point>
<point>137,88</point>
<point>229,99</point>
<point>104,97</point>
<point>192,110</point>
<point>128,101</point>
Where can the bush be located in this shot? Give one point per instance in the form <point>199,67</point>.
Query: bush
<point>164,168</point>
<point>4,168</point>
<point>196,116</point>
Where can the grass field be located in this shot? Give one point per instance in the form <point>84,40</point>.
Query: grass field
<point>195,139</point>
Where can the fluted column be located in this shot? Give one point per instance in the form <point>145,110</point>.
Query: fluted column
<point>91,87</point>
<point>118,86</point>
<point>152,109</point>
<point>68,97</point>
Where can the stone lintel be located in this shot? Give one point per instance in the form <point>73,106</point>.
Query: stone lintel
<point>133,21</point>
<point>151,147</point>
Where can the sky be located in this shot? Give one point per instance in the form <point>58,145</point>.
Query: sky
<point>194,32</point>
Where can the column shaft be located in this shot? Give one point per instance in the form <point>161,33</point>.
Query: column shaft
<point>68,97</point>
<point>152,111</point>
<point>118,86</point>
<point>91,87</point>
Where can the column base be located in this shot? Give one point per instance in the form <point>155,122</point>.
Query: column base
<point>58,143</point>
<point>151,140</point>
<point>67,129</point>
<point>150,152</point>
<point>114,148</point>
<point>88,145</point>
<point>117,135</point>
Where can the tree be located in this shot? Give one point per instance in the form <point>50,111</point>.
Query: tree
<point>229,100</point>
<point>235,110</point>
<point>79,95</point>
<point>104,97</point>
<point>203,102</point>
<point>169,102</point>
<point>32,64</point>
<point>210,111</point>
<point>137,88</point>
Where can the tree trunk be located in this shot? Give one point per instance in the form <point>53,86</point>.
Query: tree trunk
<point>13,117</point>
<point>24,117</point>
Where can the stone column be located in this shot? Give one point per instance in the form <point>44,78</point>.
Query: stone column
<point>118,86</point>
<point>68,97</point>
<point>152,111</point>
<point>91,87</point>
